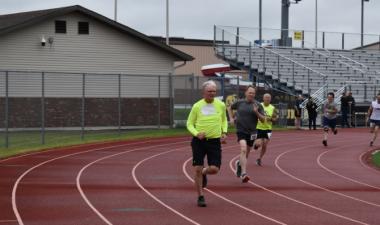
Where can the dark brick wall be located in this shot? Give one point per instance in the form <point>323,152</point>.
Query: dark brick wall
<point>66,112</point>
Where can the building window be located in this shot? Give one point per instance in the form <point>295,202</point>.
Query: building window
<point>83,28</point>
<point>60,27</point>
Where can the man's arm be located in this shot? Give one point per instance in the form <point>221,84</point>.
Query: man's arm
<point>274,115</point>
<point>259,111</point>
<point>335,108</point>
<point>224,120</point>
<point>369,113</point>
<point>191,121</point>
<point>231,115</point>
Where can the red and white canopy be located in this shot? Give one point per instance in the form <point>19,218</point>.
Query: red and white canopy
<point>210,70</point>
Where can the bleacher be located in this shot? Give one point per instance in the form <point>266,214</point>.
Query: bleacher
<point>303,70</point>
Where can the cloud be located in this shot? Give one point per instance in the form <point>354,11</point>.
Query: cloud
<point>195,19</point>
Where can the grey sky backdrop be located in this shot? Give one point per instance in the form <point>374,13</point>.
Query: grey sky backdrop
<point>195,18</point>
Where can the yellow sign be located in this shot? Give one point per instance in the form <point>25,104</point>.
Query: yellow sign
<point>298,35</point>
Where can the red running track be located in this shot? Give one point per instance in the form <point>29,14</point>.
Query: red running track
<point>150,182</point>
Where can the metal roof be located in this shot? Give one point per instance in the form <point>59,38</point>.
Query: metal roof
<point>12,22</point>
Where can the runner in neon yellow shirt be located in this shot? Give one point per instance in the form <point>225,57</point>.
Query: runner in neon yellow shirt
<point>207,122</point>
<point>264,129</point>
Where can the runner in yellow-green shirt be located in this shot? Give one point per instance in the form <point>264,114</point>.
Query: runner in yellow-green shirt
<point>207,122</point>
<point>264,129</point>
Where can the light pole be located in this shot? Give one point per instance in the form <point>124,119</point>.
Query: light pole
<point>362,24</point>
<point>316,23</point>
<point>167,22</point>
<point>260,22</point>
<point>115,10</point>
<point>285,21</point>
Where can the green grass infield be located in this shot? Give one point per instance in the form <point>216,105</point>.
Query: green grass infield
<point>30,141</point>
<point>376,159</point>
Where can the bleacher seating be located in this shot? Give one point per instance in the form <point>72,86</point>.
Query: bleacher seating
<point>303,70</point>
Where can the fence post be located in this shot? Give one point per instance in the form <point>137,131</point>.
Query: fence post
<point>83,106</point>
<point>159,102</point>
<point>171,105</point>
<point>43,108</point>
<point>264,59</point>
<point>323,39</point>
<point>342,41</point>
<point>119,104</point>
<point>192,88</point>
<point>6,109</point>
<point>250,55</point>
<point>308,82</point>
<point>294,82</point>
<point>237,43</point>
<point>303,38</point>
<point>278,68</point>
<point>238,86</point>
<point>223,48</point>
<point>222,84</point>
<point>214,43</point>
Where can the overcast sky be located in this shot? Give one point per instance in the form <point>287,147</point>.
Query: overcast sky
<point>195,18</point>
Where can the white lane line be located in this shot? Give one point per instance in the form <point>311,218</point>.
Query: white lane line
<point>8,221</point>
<point>340,175</point>
<point>314,185</point>
<point>228,200</point>
<point>154,197</point>
<point>88,202</point>
<point>15,186</point>
<point>295,200</point>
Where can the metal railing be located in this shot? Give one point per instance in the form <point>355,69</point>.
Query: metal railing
<point>325,39</point>
<point>318,97</point>
<point>82,104</point>
<point>234,43</point>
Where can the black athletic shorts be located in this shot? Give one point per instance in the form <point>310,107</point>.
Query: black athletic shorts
<point>329,123</point>
<point>266,134</point>
<point>375,122</point>
<point>206,147</point>
<point>249,138</point>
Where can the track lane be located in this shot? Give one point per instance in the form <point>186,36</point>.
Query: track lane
<point>55,175</point>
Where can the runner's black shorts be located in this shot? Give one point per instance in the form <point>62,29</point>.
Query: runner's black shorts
<point>266,134</point>
<point>249,138</point>
<point>376,122</point>
<point>329,123</point>
<point>206,147</point>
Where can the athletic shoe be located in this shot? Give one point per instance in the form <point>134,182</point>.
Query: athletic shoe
<point>371,143</point>
<point>204,180</point>
<point>201,201</point>
<point>244,178</point>
<point>324,142</point>
<point>238,168</point>
<point>258,162</point>
<point>335,131</point>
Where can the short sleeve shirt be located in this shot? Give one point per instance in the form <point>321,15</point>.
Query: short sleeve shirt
<point>246,119</point>
<point>327,110</point>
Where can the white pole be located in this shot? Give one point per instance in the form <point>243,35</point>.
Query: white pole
<point>316,23</point>
<point>167,22</point>
<point>115,10</point>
